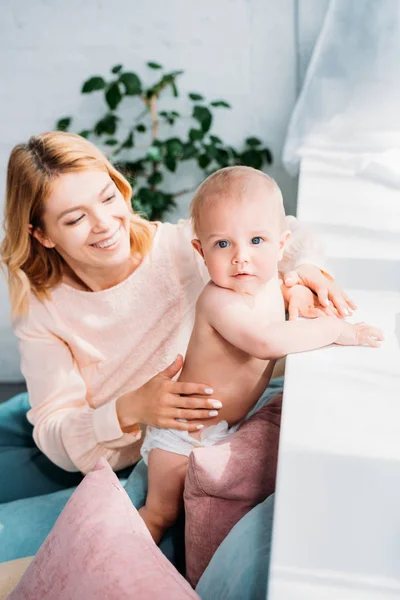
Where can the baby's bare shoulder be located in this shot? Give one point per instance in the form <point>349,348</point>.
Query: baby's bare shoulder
<point>213,297</point>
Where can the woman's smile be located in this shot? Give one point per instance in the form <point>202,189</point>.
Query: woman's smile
<point>109,243</point>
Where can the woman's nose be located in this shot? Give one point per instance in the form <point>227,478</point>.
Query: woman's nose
<point>100,222</point>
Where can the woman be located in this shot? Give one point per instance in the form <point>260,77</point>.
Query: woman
<point>103,305</point>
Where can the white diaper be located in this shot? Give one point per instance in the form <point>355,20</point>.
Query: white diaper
<point>181,442</point>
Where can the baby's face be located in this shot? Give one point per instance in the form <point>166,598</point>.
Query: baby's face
<point>241,241</point>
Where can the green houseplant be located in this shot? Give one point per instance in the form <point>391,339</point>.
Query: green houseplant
<point>136,146</point>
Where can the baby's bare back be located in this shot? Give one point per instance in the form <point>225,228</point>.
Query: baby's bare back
<point>237,378</point>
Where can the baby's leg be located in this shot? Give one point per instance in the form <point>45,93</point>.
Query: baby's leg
<point>164,500</point>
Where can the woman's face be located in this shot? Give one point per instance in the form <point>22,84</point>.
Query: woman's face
<point>87,220</point>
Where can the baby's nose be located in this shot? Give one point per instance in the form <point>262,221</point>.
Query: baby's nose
<point>240,259</point>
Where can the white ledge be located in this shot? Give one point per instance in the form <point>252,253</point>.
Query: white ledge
<point>337,512</point>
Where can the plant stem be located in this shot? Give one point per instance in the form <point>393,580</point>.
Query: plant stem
<point>154,116</point>
<point>182,192</point>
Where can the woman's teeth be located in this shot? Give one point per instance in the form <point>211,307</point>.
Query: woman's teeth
<point>108,242</point>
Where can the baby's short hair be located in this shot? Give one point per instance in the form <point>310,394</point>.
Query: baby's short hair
<point>230,181</point>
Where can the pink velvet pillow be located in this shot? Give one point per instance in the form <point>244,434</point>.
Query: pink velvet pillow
<point>227,480</point>
<point>99,548</point>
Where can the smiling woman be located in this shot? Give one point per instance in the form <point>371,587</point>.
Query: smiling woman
<point>103,304</point>
<point>75,199</point>
<point>93,236</point>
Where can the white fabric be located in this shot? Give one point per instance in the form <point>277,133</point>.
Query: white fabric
<point>181,442</point>
<point>348,110</point>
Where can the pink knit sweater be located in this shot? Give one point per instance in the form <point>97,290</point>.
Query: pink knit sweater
<point>82,350</point>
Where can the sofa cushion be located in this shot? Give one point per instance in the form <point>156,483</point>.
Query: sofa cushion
<point>100,548</point>
<point>239,569</point>
<point>225,481</point>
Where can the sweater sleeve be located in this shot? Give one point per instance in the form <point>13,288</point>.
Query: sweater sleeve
<point>302,247</point>
<point>71,433</point>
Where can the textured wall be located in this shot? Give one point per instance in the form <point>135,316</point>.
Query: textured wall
<point>245,51</point>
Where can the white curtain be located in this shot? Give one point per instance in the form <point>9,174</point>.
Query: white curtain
<point>348,112</point>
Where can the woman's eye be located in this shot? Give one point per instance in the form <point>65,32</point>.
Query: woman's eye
<point>76,221</point>
<point>257,240</point>
<point>222,244</point>
<point>109,199</point>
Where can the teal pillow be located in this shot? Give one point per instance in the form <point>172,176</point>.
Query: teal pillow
<point>239,568</point>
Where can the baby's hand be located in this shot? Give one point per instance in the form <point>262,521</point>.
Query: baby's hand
<point>360,334</point>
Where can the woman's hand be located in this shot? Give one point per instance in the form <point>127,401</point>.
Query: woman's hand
<point>301,302</point>
<point>161,401</point>
<point>331,298</point>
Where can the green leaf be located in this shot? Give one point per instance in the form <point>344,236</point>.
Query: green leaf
<point>152,203</point>
<point>222,157</point>
<point>93,84</point>
<point>203,161</point>
<point>195,134</point>
<point>174,146</point>
<point>168,116</point>
<point>215,139</point>
<point>170,163</point>
<point>195,97</point>
<point>203,116</point>
<point>113,96</point>
<point>252,158</point>
<point>154,65</point>
<point>174,89</point>
<point>129,142</point>
<point>63,124</point>
<point>141,128</point>
<point>211,151</point>
<point>176,114</point>
<point>220,103</point>
<point>268,156</point>
<point>132,84</point>
<point>253,141</point>
<point>155,178</point>
<point>107,124</point>
<point>154,154</point>
<point>116,69</point>
<point>189,151</point>
<point>85,133</point>
<point>111,142</point>
<point>133,169</point>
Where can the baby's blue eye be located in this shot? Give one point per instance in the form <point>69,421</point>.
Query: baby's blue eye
<point>257,240</point>
<point>222,244</point>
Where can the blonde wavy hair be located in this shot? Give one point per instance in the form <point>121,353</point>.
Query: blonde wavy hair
<point>32,168</point>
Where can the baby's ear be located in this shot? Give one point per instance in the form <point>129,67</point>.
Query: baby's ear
<point>197,246</point>
<point>285,235</point>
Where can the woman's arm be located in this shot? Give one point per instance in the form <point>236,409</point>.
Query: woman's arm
<point>75,435</point>
<point>302,247</point>
<point>303,263</point>
<point>67,429</point>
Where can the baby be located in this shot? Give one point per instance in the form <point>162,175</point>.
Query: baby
<point>240,328</point>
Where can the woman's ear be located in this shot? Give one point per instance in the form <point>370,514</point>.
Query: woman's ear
<point>285,235</point>
<point>197,246</point>
<point>40,237</point>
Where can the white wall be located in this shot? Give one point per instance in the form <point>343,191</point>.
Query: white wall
<point>245,51</point>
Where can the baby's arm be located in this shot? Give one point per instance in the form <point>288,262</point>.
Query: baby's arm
<point>240,325</point>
